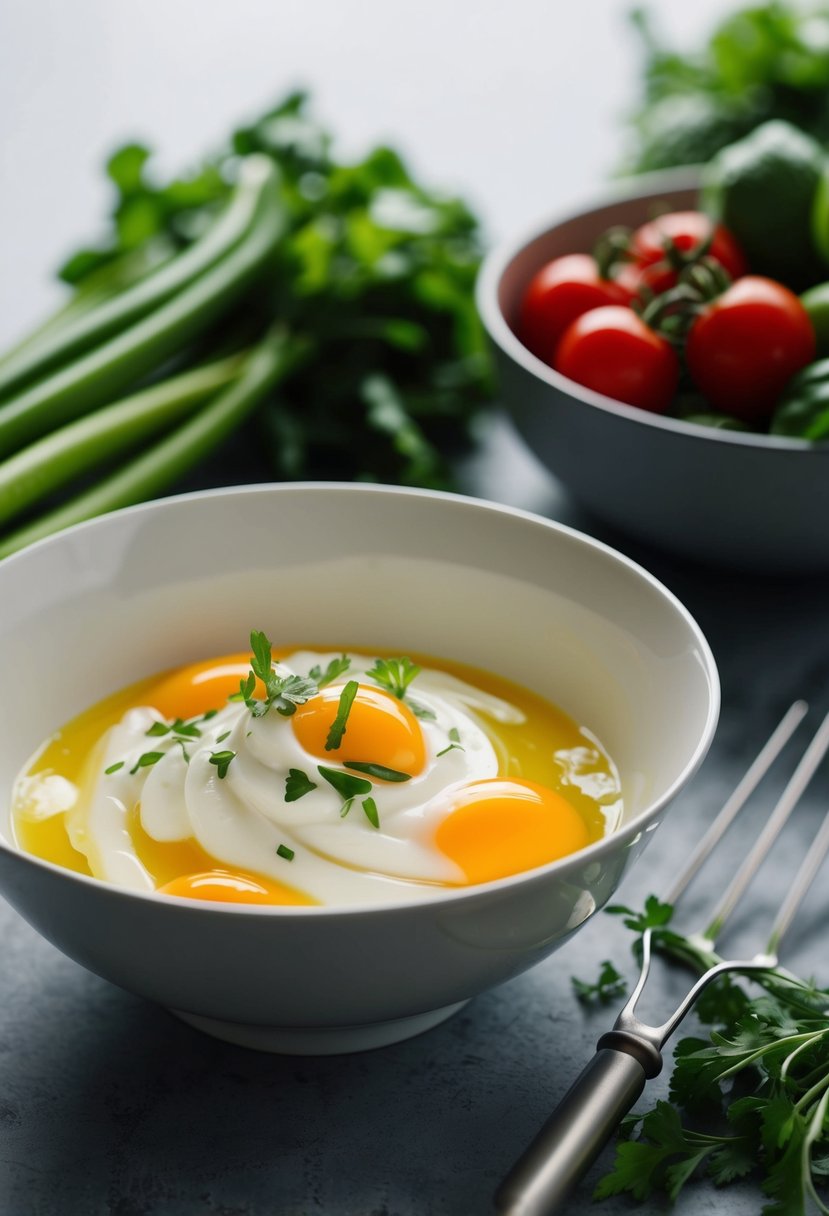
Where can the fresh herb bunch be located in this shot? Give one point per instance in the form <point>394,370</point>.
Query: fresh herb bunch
<point>376,271</point>
<point>751,1098</point>
<point>276,313</point>
<point>764,61</point>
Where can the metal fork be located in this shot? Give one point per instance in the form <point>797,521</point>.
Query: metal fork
<point>631,1053</point>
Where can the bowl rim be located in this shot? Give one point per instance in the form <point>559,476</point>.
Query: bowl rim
<point>616,840</point>
<point>648,187</point>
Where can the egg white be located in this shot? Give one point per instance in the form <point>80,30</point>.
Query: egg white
<point>242,818</point>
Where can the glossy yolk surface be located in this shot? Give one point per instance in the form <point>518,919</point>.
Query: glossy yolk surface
<point>380,730</point>
<point>192,691</point>
<point>226,886</point>
<point>500,827</point>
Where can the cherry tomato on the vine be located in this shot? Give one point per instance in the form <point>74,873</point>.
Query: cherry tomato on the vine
<point>747,344</point>
<point>614,352</point>
<point>685,232</point>
<point>560,292</point>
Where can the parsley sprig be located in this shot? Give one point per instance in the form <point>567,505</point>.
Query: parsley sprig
<point>395,676</point>
<point>282,693</point>
<point>750,1098</point>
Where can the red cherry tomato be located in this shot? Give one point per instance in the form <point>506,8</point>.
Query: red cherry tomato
<point>562,290</point>
<point>614,352</point>
<point>686,232</point>
<point>747,344</point>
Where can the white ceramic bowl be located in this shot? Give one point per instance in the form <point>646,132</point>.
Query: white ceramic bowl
<point>104,604</point>
<point>742,500</point>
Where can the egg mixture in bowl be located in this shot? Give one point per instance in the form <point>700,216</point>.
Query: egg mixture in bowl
<point>305,777</point>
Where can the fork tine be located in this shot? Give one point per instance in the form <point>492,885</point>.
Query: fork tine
<point>788,800</point>
<point>753,776</point>
<point>803,879</point>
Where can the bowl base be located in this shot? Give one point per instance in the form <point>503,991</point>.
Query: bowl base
<point>319,1040</point>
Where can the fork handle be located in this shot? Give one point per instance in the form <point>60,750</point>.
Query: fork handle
<point>580,1126</point>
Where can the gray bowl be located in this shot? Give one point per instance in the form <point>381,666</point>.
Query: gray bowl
<point>755,502</point>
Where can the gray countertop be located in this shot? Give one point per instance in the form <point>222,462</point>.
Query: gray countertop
<point>109,1105</point>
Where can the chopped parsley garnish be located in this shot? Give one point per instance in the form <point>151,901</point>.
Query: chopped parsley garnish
<point>338,726</point>
<point>221,738</point>
<point>282,693</point>
<point>113,768</point>
<point>377,770</point>
<point>347,787</point>
<point>370,808</point>
<point>420,711</point>
<point>283,851</point>
<point>454,744</point>
<point>394,675</point>
<point>222,761</point>
<point>147,761</point>
<point>335,668</point>
<point>297,785</point>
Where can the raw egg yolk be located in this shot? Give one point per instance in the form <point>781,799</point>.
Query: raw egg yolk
<point>192,691</point>
<point>503,826</point>
<point>225,886</point>
<point>380,729</point>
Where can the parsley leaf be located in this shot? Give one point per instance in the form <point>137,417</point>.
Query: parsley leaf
<point>338,726</point>
<point>113,768</point>
<point>394,675</point>
<point>377,770</point>
<point>346,786</point>
<point>609,985</point>
<point>297,785</point>
<point>222,761</point>
<point>758,1085</point>
<point>370,808</point>
<point>147,761</point>
<point>282,693</point>
<point>454,743</point>
<point>283,851</point>
<point>335,668</point>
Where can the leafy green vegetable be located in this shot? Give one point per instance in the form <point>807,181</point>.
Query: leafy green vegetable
<point>347,787</point>
<point>765,61</point>
<point>750,1099</point>
<point>283,851</point>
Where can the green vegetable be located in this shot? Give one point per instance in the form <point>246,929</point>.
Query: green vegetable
<point>335,668</point>
<point>816,303</point>
<point>763,62</point>
<point>96,325</point>
<point>367,276</point>
<point>752,1098</point>
<point>98,376</point>
<point>284,852</point>
<point>803,410</point>
<point>159,466</point>
<point>347,787</point>
<point>48,464</point>
<point>763,189</point>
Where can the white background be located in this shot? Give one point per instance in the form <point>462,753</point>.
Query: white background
<point>518,104</point>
